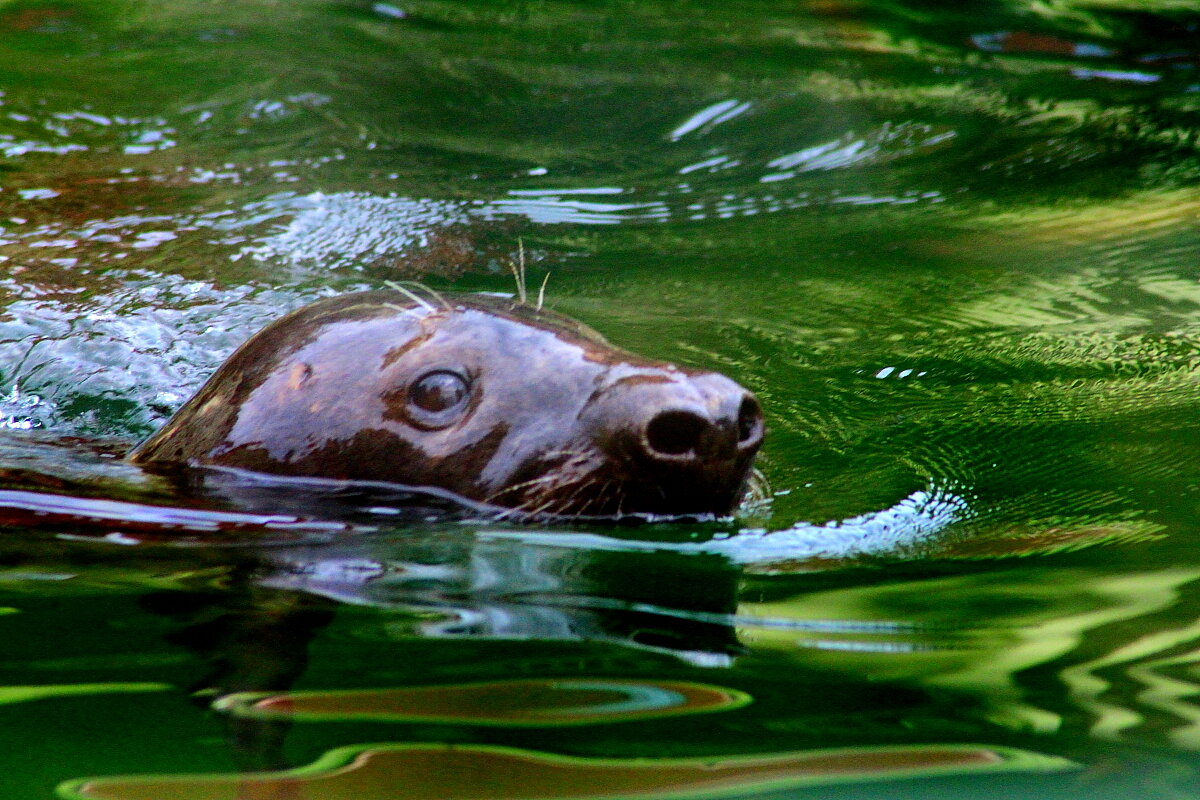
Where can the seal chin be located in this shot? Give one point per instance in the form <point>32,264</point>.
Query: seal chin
<point>617,499</point>
<point>604,493</point>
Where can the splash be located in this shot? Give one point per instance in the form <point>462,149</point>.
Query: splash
<point>345,229</point>
<point>24,411</point>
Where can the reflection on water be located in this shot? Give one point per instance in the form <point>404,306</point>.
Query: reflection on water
<point>952,250</point>
<point>964,651</point>
<point>542,702</point>
<point>479,771</point>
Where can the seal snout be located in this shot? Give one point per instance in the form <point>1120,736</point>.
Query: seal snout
<point>683,441</point>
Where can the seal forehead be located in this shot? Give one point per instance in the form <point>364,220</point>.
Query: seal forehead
<point>529,387</point>
<point>529,384</point>
<point>519,370</point>
<point>330,379</point>
<point>503,344</point>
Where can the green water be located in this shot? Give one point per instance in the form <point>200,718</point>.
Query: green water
<point>952,247</point>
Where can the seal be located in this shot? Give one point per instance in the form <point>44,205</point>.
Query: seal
<point>488,398</point>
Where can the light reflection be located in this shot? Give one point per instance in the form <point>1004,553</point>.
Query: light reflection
<point>709,117</point>
<point>1025,42</point>
<point>28,694</point>
<point>11,147</point>
<point>711,165</point>
<point>1125,76</point>
<point>889,142</point>
<point>287,106</point>
<point>1113,685</point>
<point>555,210</point>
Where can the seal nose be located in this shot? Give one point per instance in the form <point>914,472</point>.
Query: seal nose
<point>681,442</point>
<point>695,433</point>
<point>705,418</point>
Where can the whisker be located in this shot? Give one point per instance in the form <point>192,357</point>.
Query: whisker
<point>523,484</point>
<point>542,508</point>
<point>410,295</point>
<point>562,484</point>
<point>399,286</point>
<point>596,502</point>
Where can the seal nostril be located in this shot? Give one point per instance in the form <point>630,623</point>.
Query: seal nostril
<point>674,433</point>
<point>749,419</point>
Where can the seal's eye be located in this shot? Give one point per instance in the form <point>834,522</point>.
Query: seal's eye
<point>433,401</point>
<point>437,392</point>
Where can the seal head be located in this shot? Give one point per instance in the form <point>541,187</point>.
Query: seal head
<point>492,400</point>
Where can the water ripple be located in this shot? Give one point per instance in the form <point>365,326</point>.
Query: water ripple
<point>343,229</point>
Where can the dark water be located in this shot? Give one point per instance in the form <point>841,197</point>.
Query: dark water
<point>953,247</point>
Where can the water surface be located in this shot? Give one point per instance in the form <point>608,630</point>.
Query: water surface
<point>952,248</point>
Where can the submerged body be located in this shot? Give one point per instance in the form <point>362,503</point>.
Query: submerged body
<point>487,398</point>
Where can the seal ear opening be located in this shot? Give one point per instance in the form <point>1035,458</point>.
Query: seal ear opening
<point>299,375</point>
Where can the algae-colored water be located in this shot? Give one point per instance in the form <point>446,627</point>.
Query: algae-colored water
<point>954,248</point>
